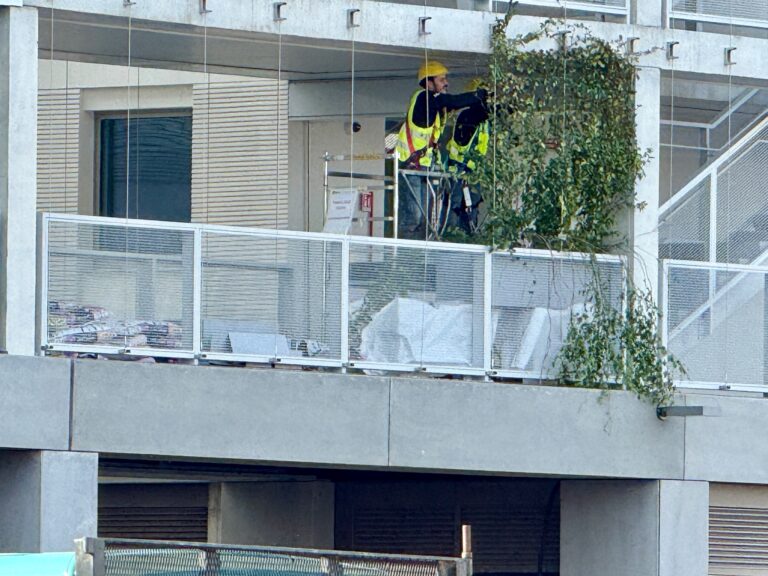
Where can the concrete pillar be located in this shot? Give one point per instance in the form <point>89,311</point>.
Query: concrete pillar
<point>47,499</point>
<point>645,221</point>
<point>18,171</point>
<point>293,514</point>
<point>648,13</point>
<point>634,528</point>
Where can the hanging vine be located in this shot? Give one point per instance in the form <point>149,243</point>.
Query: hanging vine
<point>565,166</point>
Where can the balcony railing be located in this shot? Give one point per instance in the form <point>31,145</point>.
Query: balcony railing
<point>715,320</point>
<point>746,13</point>
<point>217,293</point>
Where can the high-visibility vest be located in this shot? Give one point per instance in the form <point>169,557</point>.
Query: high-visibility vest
<point>478,144</point>
<point>414,138</point>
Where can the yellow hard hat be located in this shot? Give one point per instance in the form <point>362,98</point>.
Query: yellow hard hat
<point>431,69</point>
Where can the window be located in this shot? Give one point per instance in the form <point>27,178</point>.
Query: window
<point>148,169</point>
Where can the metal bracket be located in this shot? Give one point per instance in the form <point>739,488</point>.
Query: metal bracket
<point>423,25</point>
<point>353,18</point>
<point>204,8</point>
<point>671,50</point>
<point>278,11</point>
<point>664,412</point>
<point>729,56</point>
<point>630,45</point>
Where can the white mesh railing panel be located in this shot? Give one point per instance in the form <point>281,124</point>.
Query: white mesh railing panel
<point>684,231</point>
<point>534,297</point>
<point>724,10</point>
<point>415,306</point>
<point>119,286</point>
<point>271,297</point>
<point>716,323</point>
<point>742,206</point>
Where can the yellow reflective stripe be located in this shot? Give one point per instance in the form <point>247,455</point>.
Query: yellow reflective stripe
<point>420,138</point>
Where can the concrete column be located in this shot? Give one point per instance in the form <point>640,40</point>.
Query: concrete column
<point>645,235</point>
<point>293,514</point>
<point>634,528</point>
<point>18,171</point>
<point>648,12</point>
<point>47,499</point>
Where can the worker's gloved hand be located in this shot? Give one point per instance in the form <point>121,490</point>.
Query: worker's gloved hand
<point>481,94</point>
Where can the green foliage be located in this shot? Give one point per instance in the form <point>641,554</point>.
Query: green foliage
<point>563,158</point>
<point>619,344</point>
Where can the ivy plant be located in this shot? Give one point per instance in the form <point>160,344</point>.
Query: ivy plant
<point>617,344</point>
<point>562,165</point>
<point>563,158</point>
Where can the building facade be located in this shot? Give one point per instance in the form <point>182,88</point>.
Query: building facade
<point>183,359</point>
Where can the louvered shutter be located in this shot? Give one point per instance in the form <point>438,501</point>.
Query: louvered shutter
<point>58,149</point>
<point>738,530</point>
<point>188,523</point>
<point>154,511</point>
<point>239,136</point>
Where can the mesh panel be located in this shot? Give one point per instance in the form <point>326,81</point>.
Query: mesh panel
<point>684,232</point>
<point>119,286</point>
<point>742,206</point>
<point>142,558</point>
<point>272,297</point>
<point>727,9</point>
<point>534,298</point>
<point>416,306</point>
<point>716,323</point>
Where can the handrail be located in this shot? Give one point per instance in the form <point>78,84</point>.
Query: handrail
<point>712,168</point>
<point>472,282</point>
<point>686,348</point>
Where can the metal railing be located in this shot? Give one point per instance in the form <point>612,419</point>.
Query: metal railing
<point>720,215</point>
<point>715,320</point>
<point>219,293</point>
<point>116,557</point>
<point>746,13</point>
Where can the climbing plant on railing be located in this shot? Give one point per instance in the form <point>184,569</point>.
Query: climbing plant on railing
<point>613,344</point>
<point>562,166</point>
<point>563,158</point>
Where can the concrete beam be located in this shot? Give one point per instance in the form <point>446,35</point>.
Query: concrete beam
<point>47,499</point>
<point>488,427</point>
<point>393,28</point>
<point>34,403</point>
<point>18,185</point>
<point>245,414</point>
<point>726,448</point>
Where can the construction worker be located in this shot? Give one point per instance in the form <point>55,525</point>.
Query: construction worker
<point>418,140</point>
<point>467,146</point>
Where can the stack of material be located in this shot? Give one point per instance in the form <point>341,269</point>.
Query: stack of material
<point>70,323</point>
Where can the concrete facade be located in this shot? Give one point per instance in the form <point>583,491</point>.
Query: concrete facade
<point>292,514</point>
<point>34,403</point>
<point>382,423</point>
<point>18,187</point>
<point>47,499</point>
<point>635,490</point>
<point>634,528</point>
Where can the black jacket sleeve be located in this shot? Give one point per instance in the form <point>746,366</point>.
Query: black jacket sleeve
<point>424,114</point>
